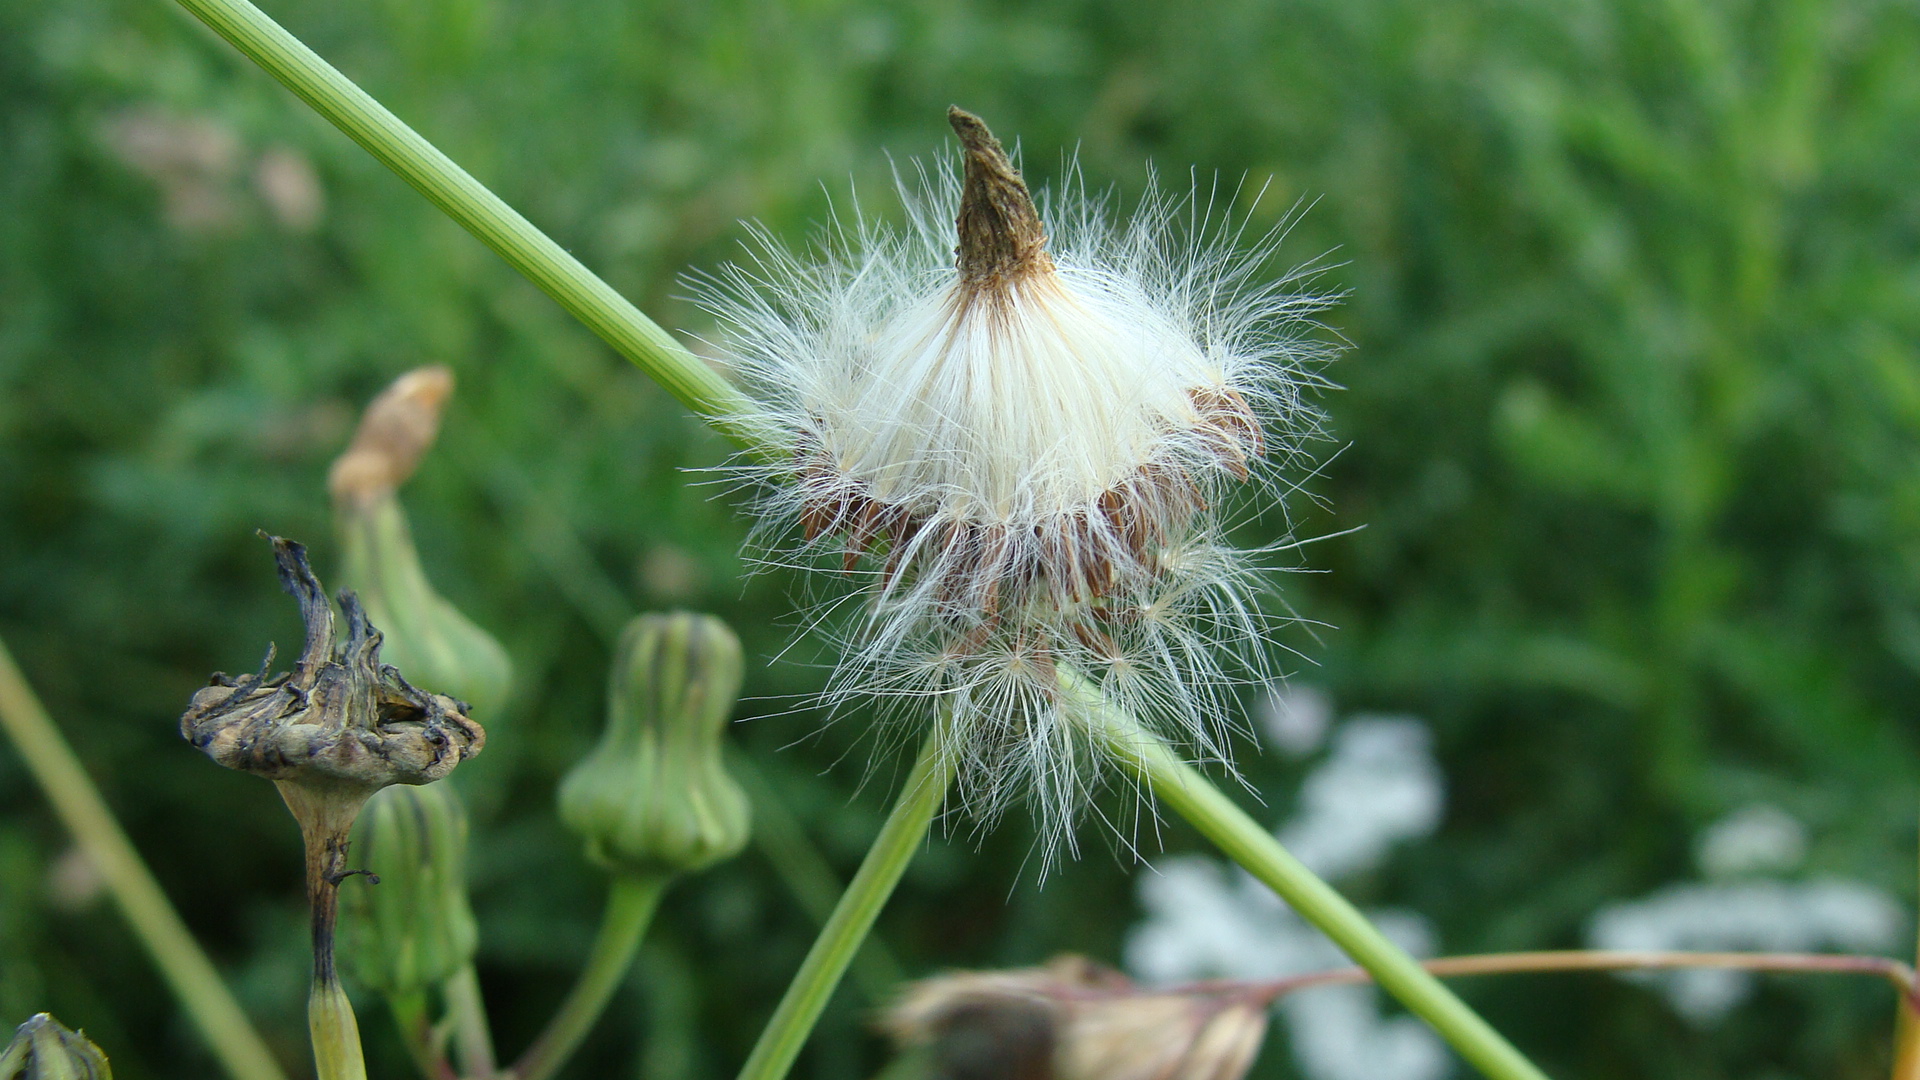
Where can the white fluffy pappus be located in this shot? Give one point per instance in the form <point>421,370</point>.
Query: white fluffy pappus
<point>1017,448</point>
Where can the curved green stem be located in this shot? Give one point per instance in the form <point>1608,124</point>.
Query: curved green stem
<point>900,837</point>
<point>1190,794</point>
<point>424,1044</point>
<point>630,907</point>
<point>85,814</point>
<point>472,1038</point>
<point>480,212</point>
<point>1563,960</point>
<point>326,816</point>
<point>336,1034</point>
<point>805,872</point>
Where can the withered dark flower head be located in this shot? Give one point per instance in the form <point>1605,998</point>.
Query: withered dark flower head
<point>340,718</point>
<point>1076,1020</point>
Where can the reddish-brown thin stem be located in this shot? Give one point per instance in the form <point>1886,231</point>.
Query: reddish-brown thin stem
<point>1895,972</point>
<point>1906,1044</point>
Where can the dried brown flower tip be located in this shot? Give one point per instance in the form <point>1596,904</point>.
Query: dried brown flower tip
<point>1001,236</point>
<point>395,431</point>
<point>1076,1020</point>
<point>43,1049</point>
<point>341,718</point>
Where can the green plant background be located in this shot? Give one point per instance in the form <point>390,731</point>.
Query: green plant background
<point>1630,423</point>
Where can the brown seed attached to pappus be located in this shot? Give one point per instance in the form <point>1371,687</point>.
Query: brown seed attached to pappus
<point>1075,1020</point>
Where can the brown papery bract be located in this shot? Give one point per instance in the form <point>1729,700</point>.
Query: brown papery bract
<point>1075,1020</point>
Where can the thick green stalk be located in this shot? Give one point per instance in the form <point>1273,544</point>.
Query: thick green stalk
<point>187,970</point>
<point>806,874</point>
<point>479,211</point>
<point>900,837</point>
<point>423,1044</point>
<point>335,1033</point>
<point>631,903</point>
<point>472,1037</point>
<point>326,815</point>
<point>1191,795</point>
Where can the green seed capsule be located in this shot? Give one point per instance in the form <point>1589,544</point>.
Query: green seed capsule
<point>427,637</point>
<point>653,797</point>
<point>414,929</point>
<point>44,1050</point>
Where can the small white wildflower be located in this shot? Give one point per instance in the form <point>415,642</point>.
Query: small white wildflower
<point>1338,1033</point>
<point>1206,920</point>
<point>1295,718</point>
<point>1765,915</point>
<point>1378,786</point>
<point>1757,839</point>
<point>1028,433</point>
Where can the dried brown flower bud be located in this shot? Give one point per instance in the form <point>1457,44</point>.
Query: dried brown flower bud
<point>397,428</point>
<point>1001,235</point>
<point>337,728</point>
<point>44,1050</point>
<point>340,718</point>
<point>1076,1020</point>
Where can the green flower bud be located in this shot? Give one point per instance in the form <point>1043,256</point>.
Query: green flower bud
<point>426,636</point>
<point>414,929</point>
<point>43,1050</point>
<point>653,798</point>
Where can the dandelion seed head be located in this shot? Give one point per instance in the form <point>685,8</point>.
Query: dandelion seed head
<point>1015,447</point>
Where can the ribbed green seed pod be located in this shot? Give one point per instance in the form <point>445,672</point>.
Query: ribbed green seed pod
<point>426,636</point>
<point>44,1050</point>
<point>653,797</point>
<point>414,929</point>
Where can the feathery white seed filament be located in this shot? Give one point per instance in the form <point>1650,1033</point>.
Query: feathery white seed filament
<point>1030,447</point>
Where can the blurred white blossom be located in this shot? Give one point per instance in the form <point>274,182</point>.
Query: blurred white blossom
<point>1379,785</point>
<point>191,159</point>
<point>1765,914</point>
<point>1338,1034</point>
<point>1295,718</point>
<point>1758,839</point>
<point>286,181</point>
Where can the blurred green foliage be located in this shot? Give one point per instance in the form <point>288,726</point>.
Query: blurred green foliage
<point>1632,424</point>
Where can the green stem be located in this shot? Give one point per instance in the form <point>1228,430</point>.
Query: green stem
<point>1906,1041</point>
<point>335,1032</point>
<point>900,837</point>
<point>1562,960</point>
<point>417,1032</point>
<point>472,1038</point>
<point>630,906</point>
<point>480,212</point>
<point>806,874</point>
<point>326,814</point>
<point>1191,795</point>
<point>187,970</point>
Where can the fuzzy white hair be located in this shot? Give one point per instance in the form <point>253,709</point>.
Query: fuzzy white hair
<point>1033,452</point>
